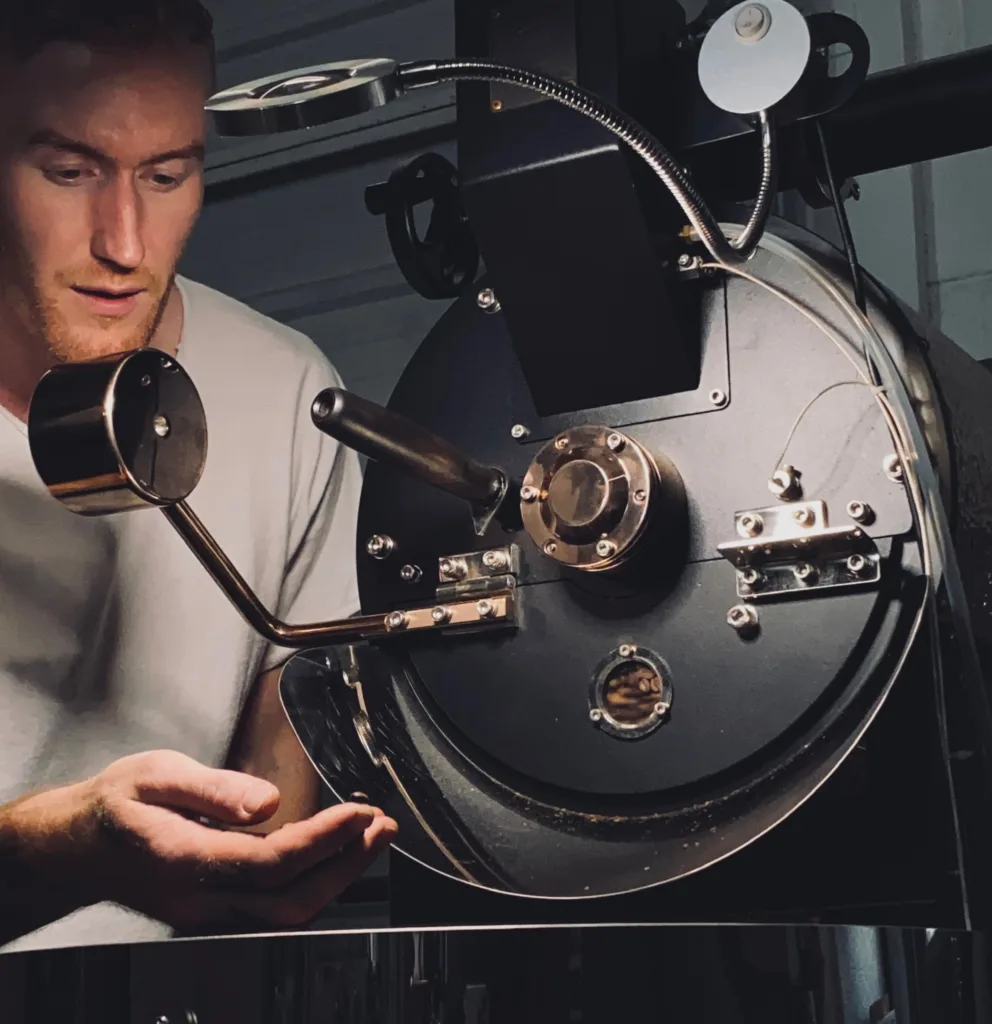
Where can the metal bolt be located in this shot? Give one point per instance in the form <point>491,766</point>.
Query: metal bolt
<point>605,548</point>
<point>860,512</point>
<point>441,615</point>
<point>626,650</point>
<point>146,380</point>
<point>379,546</point>
<point>742,617</point>
<point>550,548</point>
<point>162,426</point>
<point>661,708</point>
<point>718,398</point>
<point>640,497</point>
<point>753,23</point>
<point>487,301</point>
<point>397,620</point>
<point>750,524</point>
<point>685,261</point>
<point>496,105</point>
<point>857,564</point>
<point>529,494</point>
<point>518,432</point>
<point>595,715</point>
<point>804,572</point>
<point>804,516</point>
<point>486,609</point>
<point>615,443</point>
<point>751,577</point>
<point>785,484</point>
<point>494,560</point>
<point>453,568</point>
<point>893,468</point>
<point>562,443</point>
<point>411,574</point>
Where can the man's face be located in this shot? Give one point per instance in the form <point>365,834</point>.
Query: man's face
<point>101,182</point>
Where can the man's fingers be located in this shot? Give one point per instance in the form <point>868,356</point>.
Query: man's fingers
<point>312,891</point>
<point>242,857</point>
<point>170,779</point>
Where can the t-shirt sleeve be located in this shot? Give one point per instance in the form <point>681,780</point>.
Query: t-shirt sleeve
<point>320,581</point>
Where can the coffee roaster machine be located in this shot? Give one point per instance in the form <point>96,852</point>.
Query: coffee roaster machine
<point>675,540</point>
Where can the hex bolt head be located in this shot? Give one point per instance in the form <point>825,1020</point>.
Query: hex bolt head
<point>742,617</point>
<point>494,560</point>
<point>626,650</point>
<point>804,572</point>
<point>615,443</point>
<point>661,708</point>
<point>410,573</point>
<point>685,261</point>
<point>857,564</point>
<point>453,568</point>
<point>486,609</point>
<point>518,432</point>
<point>785,484</point>
<point>750,524</point>
<point>529,493</point>
<point>487,301</point>
<point>397,620</point>
<point>860,512</point>
<point>605,548</point>
<point>441,615</point>
<point>640,497</point>
<point>379,546</point>
<point>893,468</point>
<point>751,577</point>
<point>595,715</point>
<point>550,548</point>
<point>718,398</point>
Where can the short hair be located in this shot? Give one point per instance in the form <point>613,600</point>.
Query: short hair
<point>28,26</point>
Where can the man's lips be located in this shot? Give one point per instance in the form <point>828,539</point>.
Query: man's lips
<point>109,301</point>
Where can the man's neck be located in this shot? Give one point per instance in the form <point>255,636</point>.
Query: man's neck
<point>22,366</point>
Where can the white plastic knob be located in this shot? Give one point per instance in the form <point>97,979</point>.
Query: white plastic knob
<point>754,56</point>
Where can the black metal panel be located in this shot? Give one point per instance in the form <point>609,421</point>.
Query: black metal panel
<point>579,273</point>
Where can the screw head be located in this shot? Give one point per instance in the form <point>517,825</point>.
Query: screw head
<point>441,615</point>
<point>615,443</point>
<point>605,548</point>
<point>804,572</point>
<point>640,497</point>
<point>626,650</point>
<point>396,620</point>
<point>494,560</point>
<point>529,493</point>
<point>750,524</point>
<point>453,568</point>
<point>804,516</point>
<point>561,443</point>
<point>410,573</point>
<point>518,432</point>
<point>752,23</point>
<point>146,380</point>
<point>742,617</point>
<point>487,301</point>
<point>550,548</point>
<point>718,398</point>
<point>486,609</point>
<point>893,468</point>
<point>661,708</point>
<point>379,546</point>
<point>857,564</point>
<point>595,715</point>
<point>685,261</point>
<point>751,577</point>
<point>860,512</point>
<point>785,484</point>
<point>162,426</point>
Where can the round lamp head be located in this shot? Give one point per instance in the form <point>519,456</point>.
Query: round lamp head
<point>304,98</point>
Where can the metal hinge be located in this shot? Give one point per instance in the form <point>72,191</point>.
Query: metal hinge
<point>477,574</point>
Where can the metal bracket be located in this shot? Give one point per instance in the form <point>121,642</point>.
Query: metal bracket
<point>483,515</point>
<point>789,549</point>
<point>477,573</point>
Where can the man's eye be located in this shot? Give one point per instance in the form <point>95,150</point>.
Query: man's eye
<point>163,181</point>
<point>65,175</point>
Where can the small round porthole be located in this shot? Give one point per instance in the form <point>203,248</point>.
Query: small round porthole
<point>631,693</point>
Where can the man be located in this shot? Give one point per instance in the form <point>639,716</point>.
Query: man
<point>136,702</point>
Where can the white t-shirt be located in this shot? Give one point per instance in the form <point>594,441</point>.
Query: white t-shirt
<point>113,638</point>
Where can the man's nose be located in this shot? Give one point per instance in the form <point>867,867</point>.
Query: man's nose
<point>117,225</point>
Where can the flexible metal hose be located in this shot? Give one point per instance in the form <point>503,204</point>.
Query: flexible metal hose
<point>424,73</point>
